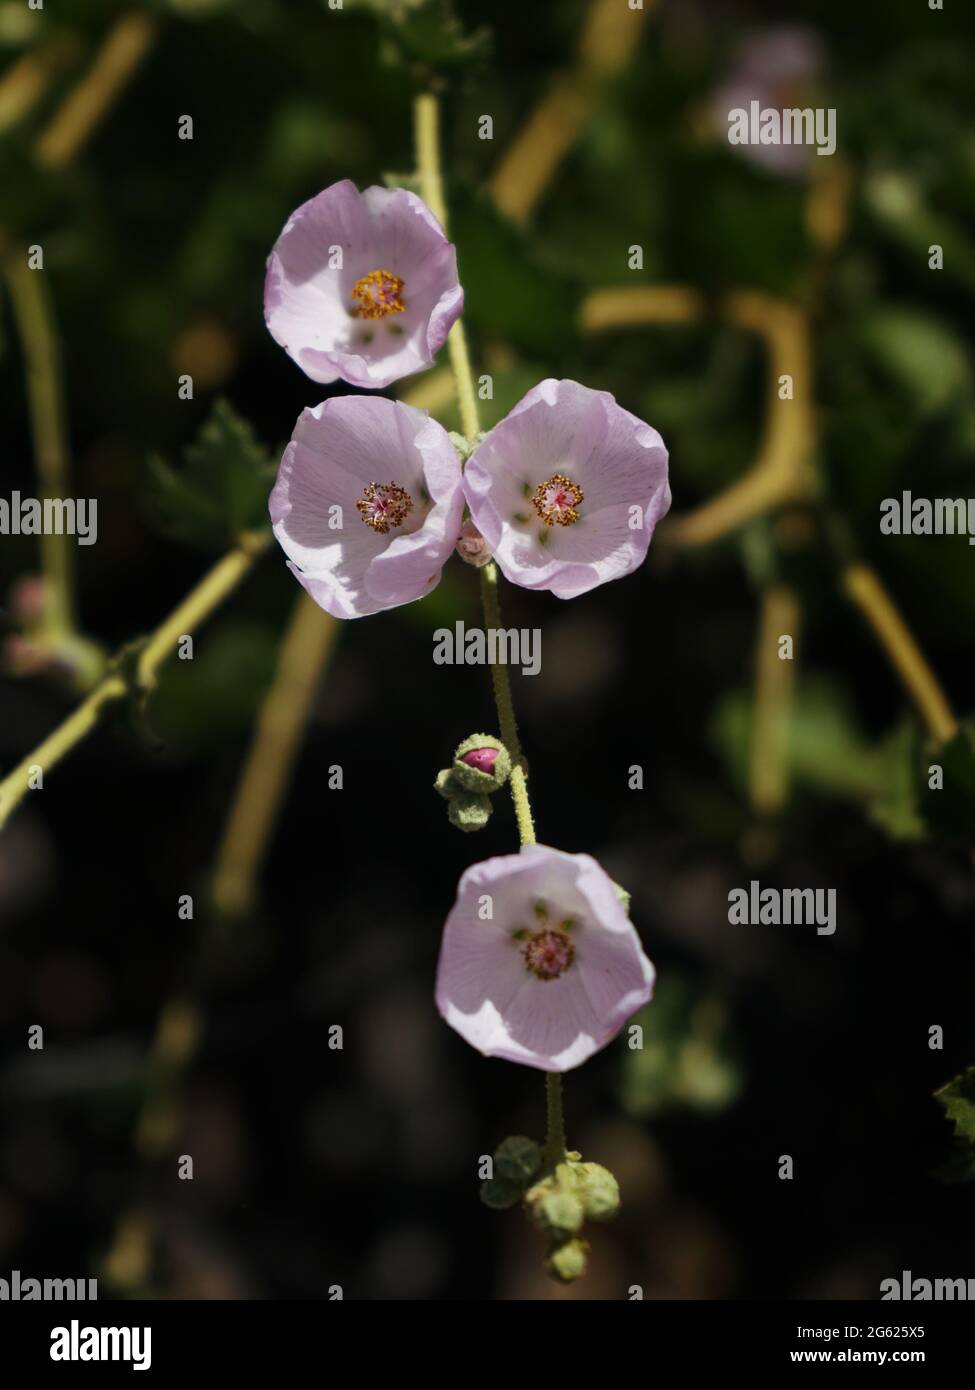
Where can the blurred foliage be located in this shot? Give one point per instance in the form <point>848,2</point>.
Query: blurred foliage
<point>687,1058</point>
<point>221,490</point>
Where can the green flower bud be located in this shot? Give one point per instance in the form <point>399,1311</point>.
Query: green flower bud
<point>468,812</point>
<point>598,1191</point>
<point>559,1213</point>
<point>568,1261</point>
<point>445,783</point>
<point>482,764</point>
<point>518,1159</point>
<point>498,1194</point>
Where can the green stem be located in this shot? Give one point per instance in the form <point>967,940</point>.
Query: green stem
<point>554,1152</point>
<point>426,112</point>
<point>426,122</point>
<point>518,781</point>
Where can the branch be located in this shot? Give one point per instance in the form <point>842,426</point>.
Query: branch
<point>211,591</point>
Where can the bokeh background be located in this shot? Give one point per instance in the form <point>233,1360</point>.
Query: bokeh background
<point>315,1166</point>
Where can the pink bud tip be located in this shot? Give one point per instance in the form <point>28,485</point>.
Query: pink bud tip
<point>481,758</point>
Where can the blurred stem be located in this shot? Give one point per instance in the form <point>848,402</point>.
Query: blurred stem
<point>426,120</point>
<point>74,121</point>
<point>201,601</point>
<point>775,679</point>
<point>507,723</point>
<point>25,82</point>
<point>608,42</point>
<point>263,783</point>
<point>34,317</point>
<point>783,471</point>
<point>862,585</point>
<point>554,1151</point>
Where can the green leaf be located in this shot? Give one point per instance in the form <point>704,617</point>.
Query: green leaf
<point>222,488</point>
<point>828,753</point>
<point>958,1099</point>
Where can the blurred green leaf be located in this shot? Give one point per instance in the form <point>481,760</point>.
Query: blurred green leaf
<point>920,353</point>
<point>204,702</point>
<point>828,753</point>
<point>427,32</point>
<point>686,1056</point>
<point>509,293</point>
<point>222,488</point>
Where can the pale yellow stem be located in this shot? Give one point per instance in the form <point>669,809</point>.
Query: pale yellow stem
<point>862,585</point>
<point>304,653</point>
<point>768,768</point>
<point>608,42</point>
<point>34,317</point>
<point>426,122</point>
<point>73,123</point>
<point>211,591</point>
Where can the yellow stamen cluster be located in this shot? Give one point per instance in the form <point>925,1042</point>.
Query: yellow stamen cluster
<point>378,294</point>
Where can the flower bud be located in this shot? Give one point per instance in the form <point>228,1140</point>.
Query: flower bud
<point>468,811</point>
<point>481,764</point>
<point>568,1261</point>
<point>558,1213</point>
<point>598,1191</point>
<point>445,783</point>
<point>472,547</point>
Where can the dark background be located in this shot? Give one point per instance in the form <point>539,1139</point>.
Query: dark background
<point>316,1167</point>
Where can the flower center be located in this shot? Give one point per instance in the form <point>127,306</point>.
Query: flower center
<point>377,294</point>
<point>548,954</point>
<point>557,500</point>
<point>384,506</point>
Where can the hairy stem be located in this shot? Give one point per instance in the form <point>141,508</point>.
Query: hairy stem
<point>201,601</point>
<point>426,118</point>
<point>518,782</point>
<point>554,1151</point>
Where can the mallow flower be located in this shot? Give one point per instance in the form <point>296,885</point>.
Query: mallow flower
<point>539,962</point>
<point>362,286</point>
<point>567,489</point>
<point>367,504</point>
